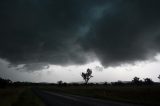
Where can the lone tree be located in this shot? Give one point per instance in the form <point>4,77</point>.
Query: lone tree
<point>86,76</point>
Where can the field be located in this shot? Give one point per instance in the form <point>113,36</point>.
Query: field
<point>148,95</point>
<point>20,96</point>
<point>24,95</point>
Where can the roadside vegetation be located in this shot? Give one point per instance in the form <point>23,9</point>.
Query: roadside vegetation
<point>136,91</point>
<point>9,95</point>
<point>28,98</point>
<point>133,94</point>
<point>17,94</point>
<point>20,96</point>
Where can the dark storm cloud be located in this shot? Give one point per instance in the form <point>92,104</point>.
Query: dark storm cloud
<point>128,34</point>
<point>41,32</point>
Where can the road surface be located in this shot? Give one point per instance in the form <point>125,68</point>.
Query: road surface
<point>56,99</point>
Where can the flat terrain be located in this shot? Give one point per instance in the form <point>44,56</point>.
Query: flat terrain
<point>19,96</point>
<point>56,99</point>
<point>146,95</point>
<point>81,95</point>
<point>9,96</point>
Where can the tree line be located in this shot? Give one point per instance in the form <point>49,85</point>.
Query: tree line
<point>86,77</point>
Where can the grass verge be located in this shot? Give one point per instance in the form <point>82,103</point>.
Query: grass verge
<point>28,98</point>
<point>9,95</point>
<point>19,96</point>
<point>148,95</point>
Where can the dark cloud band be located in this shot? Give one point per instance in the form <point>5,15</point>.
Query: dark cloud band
<point>68,32</point>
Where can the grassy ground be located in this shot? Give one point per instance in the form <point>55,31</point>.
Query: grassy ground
<point>22,96</point>
<point>9,95</point>
<point>135,94</point>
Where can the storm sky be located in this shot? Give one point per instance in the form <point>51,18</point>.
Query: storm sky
<point>42,35</point>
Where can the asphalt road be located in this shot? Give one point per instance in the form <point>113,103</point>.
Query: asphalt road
<point>56,99</point>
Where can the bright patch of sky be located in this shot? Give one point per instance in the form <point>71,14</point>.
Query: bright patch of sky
<point>54,73</point>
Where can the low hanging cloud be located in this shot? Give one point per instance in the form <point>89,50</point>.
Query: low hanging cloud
<point>37,33</point>
<point>99,68</point>
<point>129,33</point>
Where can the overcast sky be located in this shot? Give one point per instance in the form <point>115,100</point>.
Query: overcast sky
<point>51,40</point>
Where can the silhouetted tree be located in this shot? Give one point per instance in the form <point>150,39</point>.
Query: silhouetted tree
<point>60,82</point>
<point>86,76</point>
<point>148,81</point>
<point>105,83</point>
<point>4,82</point>
<point>137,81</point>
<point>118,83</point>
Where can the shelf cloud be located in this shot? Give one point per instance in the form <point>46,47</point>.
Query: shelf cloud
<point>37,33</point>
